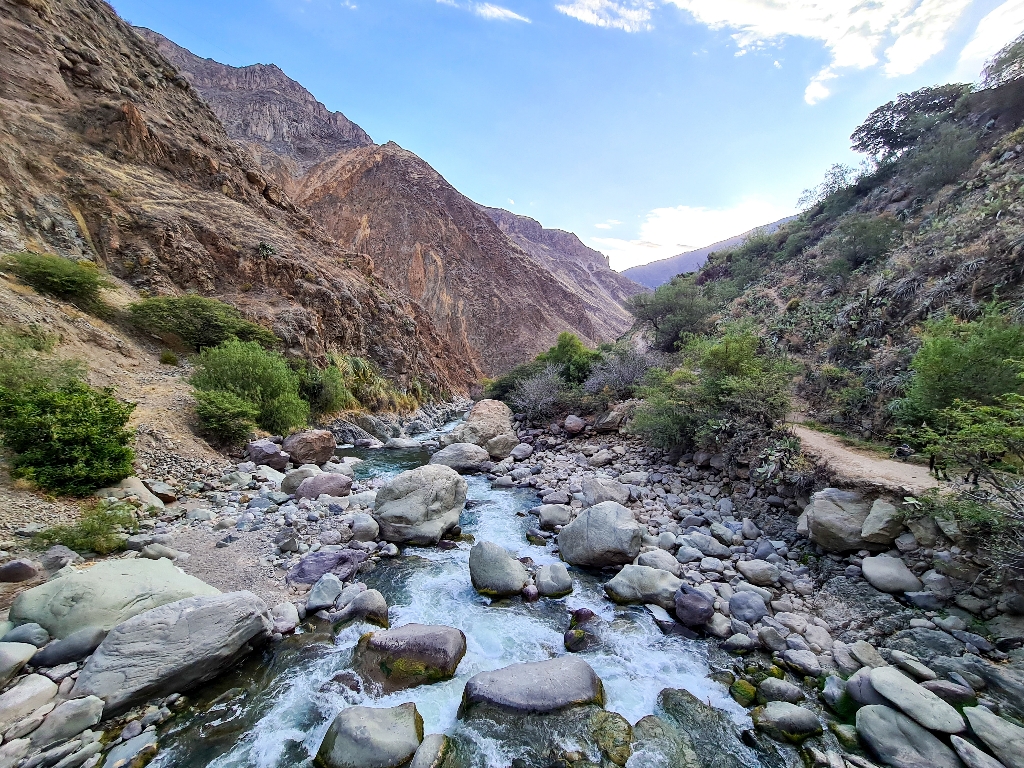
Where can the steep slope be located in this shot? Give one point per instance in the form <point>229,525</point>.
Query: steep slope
<point>108,154</point>
<point>494,303</point>
<point>660,272</point>
<point>576,266</point>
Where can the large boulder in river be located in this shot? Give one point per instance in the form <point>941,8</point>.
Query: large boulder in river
<point>536,687</point>
<point>462,457</point>
<point>410,655</point>
<point>500,446</point>
<point>604,534</point>
<point>420,505</point>
<point>314,446</point>
<point>835,518</point>
<point>372,737</point>
<point>486,420</point>
<point>640,584</point>
<point>494,571</point>
<point>105,595</point>
<point>172,648</point>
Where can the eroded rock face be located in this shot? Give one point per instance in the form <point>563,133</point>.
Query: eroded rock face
<point>536,687</point>
<point>605,534</point>
<point>420,505</point>
<point>172,648</point>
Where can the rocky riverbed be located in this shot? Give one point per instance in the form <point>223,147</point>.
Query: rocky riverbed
<point>488,594</point>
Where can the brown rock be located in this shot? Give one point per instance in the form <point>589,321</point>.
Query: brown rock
<point>314,446</point>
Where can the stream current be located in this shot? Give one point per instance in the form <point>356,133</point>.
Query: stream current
<point>273,710</point>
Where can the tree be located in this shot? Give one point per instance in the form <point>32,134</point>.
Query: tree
<point>674,311</point>
<point>897,125</point>
<point>571,357</point>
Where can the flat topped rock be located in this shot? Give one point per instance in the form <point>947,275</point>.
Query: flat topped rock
<point>1001,736</point>
<point>410,655</point>
<point>541,686</point>
<point>918,702</point>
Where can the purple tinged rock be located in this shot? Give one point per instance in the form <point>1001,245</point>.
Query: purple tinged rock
<point>266,453</point>
<point>327,482</point>
<point>693,608</point>
<point>18,570</point>
<point>748,607</point>
<point>343,564</point>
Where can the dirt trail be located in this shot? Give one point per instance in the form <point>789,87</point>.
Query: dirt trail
<point>857,468</point>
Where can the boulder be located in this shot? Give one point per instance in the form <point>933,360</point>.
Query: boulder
<point>431,752</point>
<point>692,607</point>
<point>266,453</point>
<point>803,662</point>
<point>659,558</point>
<point>172,648</point>
<point>343,563</point>
<point>30,633</point>
<point>604,534</point>
<point>609,421</point>
<point>860,689</point>
<point>293,478</point>
<point>883,523</point>
<point>67,720</point>
<point>898,741</point>
<point>17,570</point>
<point>133,486</point>
<point>163,491</point>
<point>410,655</point>
<point>487,419</point>
<point>494,571</point>
<point>31,692</point>
<point>105,595</point>
<point>371,737</point>
<point>74,647</point>
<point>759,572</point>
<point>14,656</point>
<point>536,687</point>
<point>462,457</point>
<point>138,748</point>
<point>972,756</point>
<point>641,584</point>
<point>331,483</point>
<point>574,425</point>
<point>551,515</point>
<point>323,594</point>
<point>314,446</point>
<point>597,490</point>
<point>364,527</point>
<point>420,505</point>
<point>368,605</point>
<point>402,444</point>
<point>786,722</point>
<point>835,518</point>
<point>889,574</point>
<point>553,580</point>
<point>773,689</point>
<point>917,702</point>
<point>500,446</point>
<point>521,452</point>
<point>1004,738</point>
<point>748,607</point>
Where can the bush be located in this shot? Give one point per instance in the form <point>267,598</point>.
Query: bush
<point>67,438</point>
<point>195,323</point>
<point>944,158</point>
<point>570,357</point>
<point>256,376</point>
<point>898,125</point>
<point>1006,66</point>
<point>167,357</point>
<point>860,239</point>
<point>499,388</point>
<point>70,280</point>
<point>371,389</point>
<point>538,395</point>
<point>100,529</point>
<point>619,374</point>
<point>674,311</point>
<point>324,389</point>
<point>224,416</point>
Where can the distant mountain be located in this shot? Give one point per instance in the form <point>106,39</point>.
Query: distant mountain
<point>660,272</point>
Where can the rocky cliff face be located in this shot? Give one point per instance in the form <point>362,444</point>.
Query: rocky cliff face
<point>108,154</point>
<point>496,300</point>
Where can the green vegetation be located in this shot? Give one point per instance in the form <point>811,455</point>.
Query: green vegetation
<point>674,311</point>
<point>102,528</point>
<point>859,239</point>
<point>369,387</point>
<point>571,357</point>
<point>224,416</point>
<point>167,357</point>
<point>193,323</point>
<point>75,281</point>
<point>898,125</point>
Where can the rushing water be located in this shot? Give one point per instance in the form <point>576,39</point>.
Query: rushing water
<point>288,696</point>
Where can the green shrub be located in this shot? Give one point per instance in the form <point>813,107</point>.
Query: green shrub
<point>324,389</point>
<point>256,376</point>
<point>898,125</point>
<point>102,529</point>
<point>570,357</point>
<point>365,382</point>
<point>224,416</point>
<point>167,357</point>
<point>674,311</point>
<point>861,238</point>
<point>499,388</point>
<point>195,322</point>
<point>944,158</point>
<point>76,281</point>
<point>67,438</point>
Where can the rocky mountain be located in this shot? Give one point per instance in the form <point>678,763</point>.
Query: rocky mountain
<point>660,272</point>
<point>108,154</point>
<point>496,300</point>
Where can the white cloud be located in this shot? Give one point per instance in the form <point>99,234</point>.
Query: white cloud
<point>627,15</point>
<point>608,224</point>
<point>497,13</point>
<point>993,32</point>
<point>668,232</point>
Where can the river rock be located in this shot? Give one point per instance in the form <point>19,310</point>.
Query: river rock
<point>14,656</point>
<point>323,594</point>
<point>521,452</point>
<point>105,595</point>
<point>773,689</point>
<point>860,689</point>
<point>402,444</point>
<point>364,527</point>
<point>604,534</point>
<point>787,722</point>
<point>264,452</point>
<point>17,570</point>
<point>748,607</point>
<point>314,446</point>
<point>138,747</point>
<point>172,648</point>
<point>553,580</point>
<point>500,446</point>
<point>917,702</point>
<point>898,741</point>
<point>330,483</point>
<point>371,737</point>
<point>28,695</point>
<point>552,515</point>
<point>67,720</point>
<point>30,633</point>
<point>598,489</point>
<point>640,584</point>
<point>293,478</point>
<point>1004,738</point>
<point>834,519</point>
<point>487,419</point>
<point>972,756</point>
<point>342,562</point>
<point>420,505</point>
<point>494,571</point>
<point>889,574</point>
<point>410,655</point>
<point>536,687</point>
<point>574,424</point>
<point>759,572</point>
<point>804,662</point>
<point>431,751</point>
<point>462,457</point>
<point>692,607</point>
<point>883,523</point>
<point>659,558</point>
<point>368,605</point>
<point>708,546</point>
<point>74,647</point>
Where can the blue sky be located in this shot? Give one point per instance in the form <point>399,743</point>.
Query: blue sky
<point>648,127</point>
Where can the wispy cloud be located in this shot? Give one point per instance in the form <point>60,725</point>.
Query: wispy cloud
<point>994,31</point>
<point>627,15</point>
<point>608,224</point>
<point>487,11</point>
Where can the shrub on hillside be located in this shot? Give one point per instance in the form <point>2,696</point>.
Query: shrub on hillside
<point>571,358</point>
<point>324,389</point>
<point>898,125</point>
<point>257,376</point>
<point>102,528</point>
<point>372,389</point>
<point>944,158</point>
<point>196,322</point>
<point>538,395</point>
<point>859,239</point>
<point>619,374</point>
<point>674,311</point>
<point>75,281</point>
<point>224,416</point>
<point>499,388</point>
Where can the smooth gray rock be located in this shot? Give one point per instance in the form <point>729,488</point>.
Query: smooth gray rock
<point>324,593</point>
<point>31,692</point>
<point>553,580</point>
<point>860,689</point>
<point>368,605</point>
<point>759,572</point>
<point>105,595</point>
<point>14,656</point>
<point>693,608</point>
<point>123,754</point>
<point>330,483</point>
<point>293,478</point>
<point>67,720</point>
<point>786,722</point>
<point>773,689</point>
<point>402,444</point>
<point>494,571</point>
<point>659,558</point>
<point>739,643</point>
<point>599,489</point>
<point>889,574</point>
<point>431,751</point>
<point>420,505</point>
<point>917,702</point>
<point>1004,738</point>
<point>834,692</point>
<point>551,515</point>
<point>708,546</point>
<point>640,584</point>
<point>521,452</point>
<point>500,446</point>
<point>364,527</point>
<point>410,655</point>
<point>835,518</point>
<point>30,633</point>
<point>972,756</point>
<point>343,563</point>
<point>74,647</point>
<point>883,523</point>
<point>462,457</point>
<point>748,607</point>
<point>898,741</point>
<point>804,662</point>
<point>604,534</point>
<point>536,687</point>
<point>172,648</point>
<point>372,737</point>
